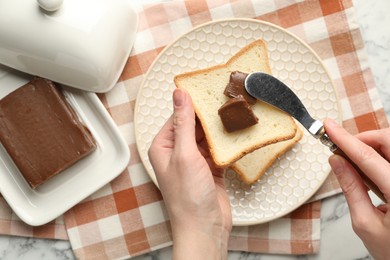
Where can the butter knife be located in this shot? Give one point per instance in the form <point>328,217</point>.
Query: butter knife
<point>272,91</point>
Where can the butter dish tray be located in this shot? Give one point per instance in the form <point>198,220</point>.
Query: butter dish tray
<point>84,44</point>
<point>66,189</point>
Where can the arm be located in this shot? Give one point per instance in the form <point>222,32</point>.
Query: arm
<point>192,187</point>
<point>371,153</point>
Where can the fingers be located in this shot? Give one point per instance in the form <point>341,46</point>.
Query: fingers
<point>353,187</point>
<point>366,158</point>
<point>162,146</point>
<point>378,139</point>
<point>385,209</point>
<point>199,131</point>
<point>164,137</point>
<point>178,131</point>
<point>183,121</point>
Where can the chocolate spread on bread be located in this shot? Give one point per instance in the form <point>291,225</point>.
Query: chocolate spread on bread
<point>236,87</point>
<point>41,132</point>
<point>236,114</point>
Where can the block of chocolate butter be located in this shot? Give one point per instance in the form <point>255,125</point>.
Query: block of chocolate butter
<point>41,132</point>
<point>236,114</point>
<point>236,87</point>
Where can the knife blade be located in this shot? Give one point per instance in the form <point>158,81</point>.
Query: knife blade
<point>271,90</point>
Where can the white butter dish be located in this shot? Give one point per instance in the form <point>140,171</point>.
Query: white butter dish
<point>84,44</point>
<point>63,191</point>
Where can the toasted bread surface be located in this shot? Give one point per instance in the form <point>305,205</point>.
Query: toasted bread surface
<point>206,88</point>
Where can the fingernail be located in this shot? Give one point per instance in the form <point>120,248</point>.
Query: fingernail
<point>178,97</point>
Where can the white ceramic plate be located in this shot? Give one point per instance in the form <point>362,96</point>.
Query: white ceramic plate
<point>63,191</point>
<point>296,175</point>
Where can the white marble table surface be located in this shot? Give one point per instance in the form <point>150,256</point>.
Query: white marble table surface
<point>338,241</point>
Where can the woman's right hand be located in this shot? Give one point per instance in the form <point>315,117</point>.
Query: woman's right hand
<point>371,152</point>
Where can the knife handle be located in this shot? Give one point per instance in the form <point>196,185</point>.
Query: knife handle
<point>325,139</point>
<point>369,183</point>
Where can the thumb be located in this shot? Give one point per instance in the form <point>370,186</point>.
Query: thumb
<point>183,120</point>
<point>353,188</point>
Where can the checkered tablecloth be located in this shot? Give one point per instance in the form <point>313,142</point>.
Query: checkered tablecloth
<point>127,217</point>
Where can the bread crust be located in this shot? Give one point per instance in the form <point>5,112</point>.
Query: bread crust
<point>288,146</point>
<point>259,43</point>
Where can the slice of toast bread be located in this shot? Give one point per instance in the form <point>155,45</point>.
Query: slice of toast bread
<point>252,166</point>
<point>206,87</point>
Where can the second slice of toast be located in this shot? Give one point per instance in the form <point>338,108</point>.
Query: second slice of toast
<point>252,166</point>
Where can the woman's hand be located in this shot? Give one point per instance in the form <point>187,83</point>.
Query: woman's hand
<point>371,152</point>
<point>192,187</point>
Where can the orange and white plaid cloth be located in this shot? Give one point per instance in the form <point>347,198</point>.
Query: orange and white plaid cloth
<point>127,217</point>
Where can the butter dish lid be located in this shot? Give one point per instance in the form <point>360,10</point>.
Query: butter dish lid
<point>79,43</point>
